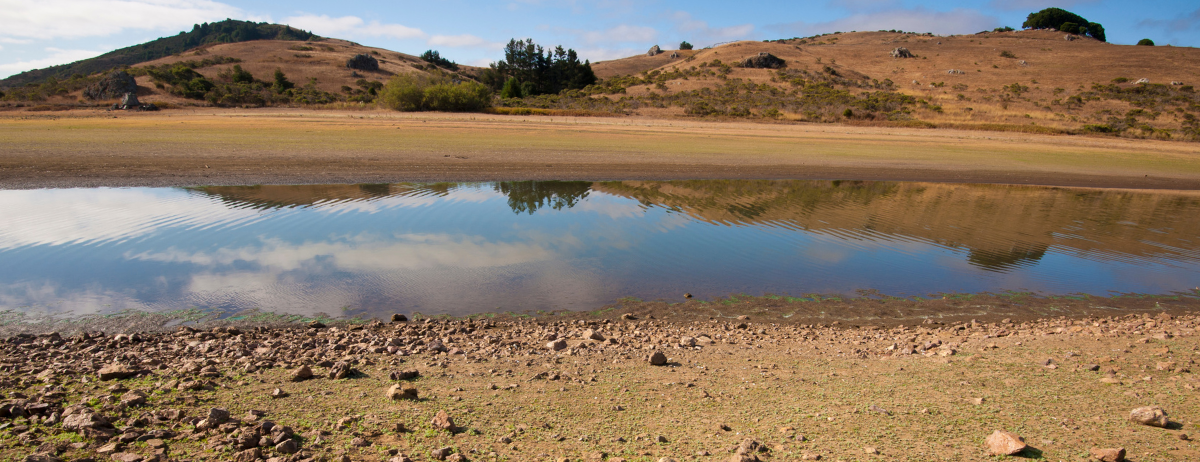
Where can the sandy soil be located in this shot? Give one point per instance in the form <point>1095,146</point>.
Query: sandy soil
<point>585,389</point>
<point>193,147</point>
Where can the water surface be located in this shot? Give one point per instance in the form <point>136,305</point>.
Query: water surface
<point>514,246</point>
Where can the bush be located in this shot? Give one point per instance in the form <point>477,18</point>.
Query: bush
<point>363,63</point>
<point>240,76</point>
<point>435,58</point>
<point>281,82</point>
<point>1120,80</point>
<point>684,45</point>
<point>512,89</point>
<point>1007,54</point>
<point>1146,42</point>
<point>421,93</point>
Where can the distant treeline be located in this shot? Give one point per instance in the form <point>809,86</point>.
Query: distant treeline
<point>227,31</point>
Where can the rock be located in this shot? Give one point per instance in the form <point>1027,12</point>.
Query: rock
<point>654,50</point>
<point>404,375</point>
<point>902,52</point>
<point>399,318</point>
<point>1005,443</point>
<point>133,398</point>
<point>116,372</point>
<point>456,457</point>
<point>666,459</point>
<point>340,370</point>
<point>114,85</point>
<point>870,450</point>
<point>556,345</point>
<point>287,447</point>
<point>629,317</point>
<point>592,334</point>
<point>301,373</point>
<point>687,342</point>
<point>1153,416</point>
<point>750,446</point>
<point>1108,454</point>
<point>879,410</point>
<point>441,453</point>
<point>79,422</point>
<point>400,458</point>
<point>129,101</point>
<point>810,456</point>
<point>363,62</point>
<point>316,325</point>
<point>443,421</point>
<point>125,457</point>
<point>657,358</point>
<point>278,393</point>
<point>687,295</point>
<point>401,392</point>
<point>764,60</point>
<point>249,455</point>
<point>217,415</point>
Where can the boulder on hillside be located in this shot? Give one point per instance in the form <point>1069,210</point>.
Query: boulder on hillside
<point>114,85</point>
<point>764,60</point>
<point>654,50</point>
<point>363,62</point>
<point>901,52</point>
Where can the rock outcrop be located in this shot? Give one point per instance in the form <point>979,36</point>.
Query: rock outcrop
<point>901,52</point>
<point>363,62</point>
<point>764,60</point>
<point>114,85</point>
<point>654,50</point>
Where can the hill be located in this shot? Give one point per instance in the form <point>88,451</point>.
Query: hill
<point>1028,80</point>
<point>227,31</point>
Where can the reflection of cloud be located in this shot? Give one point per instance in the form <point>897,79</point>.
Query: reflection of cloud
<point>610,206</point>
<point>61,216</point>
<point>366,253</point>
<point>48,298</point>
<point>460,195</point>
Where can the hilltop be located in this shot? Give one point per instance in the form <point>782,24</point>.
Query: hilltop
<point>227,31</point>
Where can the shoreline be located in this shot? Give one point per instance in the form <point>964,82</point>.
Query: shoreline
<point>239,147</point>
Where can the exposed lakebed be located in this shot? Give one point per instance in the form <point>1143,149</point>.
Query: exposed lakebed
<point>373,250</point>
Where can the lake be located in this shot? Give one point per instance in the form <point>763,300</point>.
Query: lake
<point>462,248</point>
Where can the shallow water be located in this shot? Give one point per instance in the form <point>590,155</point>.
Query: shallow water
<point>514,246</point>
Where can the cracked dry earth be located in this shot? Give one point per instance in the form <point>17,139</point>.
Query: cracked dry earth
<point>517,390</point>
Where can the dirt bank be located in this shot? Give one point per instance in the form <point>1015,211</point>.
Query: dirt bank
<point>226,147</point>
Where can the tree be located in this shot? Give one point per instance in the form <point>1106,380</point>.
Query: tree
<point>241,76</point>
<point>1146,42</point>
<point>539,71</point>
<point>282,83</point>
<point>1057,18</point>
<point>684,45</point>
<point>512,89</point>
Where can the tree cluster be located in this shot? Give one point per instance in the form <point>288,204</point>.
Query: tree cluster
<point>532,70</point>
<point>1066,21</point>
<point>435,58</point>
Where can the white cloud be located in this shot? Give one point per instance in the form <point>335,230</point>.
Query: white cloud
<point>697,31</point>
<point>352,26</point>
<point>464,41</point>
<point>1035,5</point>
<point>1182,22</point>
<point>605,54</point>
<point>15,41</point>
<point>957,21</point>
<point>55,57</point>
<point>49,19</point>
<point>619,34</point>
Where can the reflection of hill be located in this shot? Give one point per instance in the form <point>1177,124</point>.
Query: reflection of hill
<point>529,196</point>
<point>283,196</point>
<point>1002,226</point>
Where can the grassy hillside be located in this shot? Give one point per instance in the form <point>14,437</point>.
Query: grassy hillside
<point>227,31</point>
<point>1019,80</point>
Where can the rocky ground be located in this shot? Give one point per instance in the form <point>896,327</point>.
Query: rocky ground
<point>629,387</point>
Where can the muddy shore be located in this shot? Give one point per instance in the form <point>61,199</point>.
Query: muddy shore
<point>238,147</point>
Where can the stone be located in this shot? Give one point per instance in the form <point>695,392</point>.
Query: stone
<point>879,410</point>
<point>400,458</point>
<point>750,446</point>
<point>556,345</point>
<point>1108,454</point>
<point>1153,416</point>
<point>629,317</point>
<point>654,50</point>
<point>249,455</point>
<point>287,447</point>
<point>278,393</point>
<point>441,453</point>
<point>592,334</point>
<point>340,370</point>
<point>456,457</point>
<point>116,372</point>
<point>133,398</point>
<point>764,61</point>
<point>41,458</point>
<point>870,450</point>
<point>363,62</point>
<point>399,318</point>
<point>301,373</point>
<point>404,375</point>
<point>687,342</point>
<point>442,421</point>
<point>1005,443</point>
<point>657,359</point>
<point>129,101</point>
<point>218,415</point>
<point>316,325</point>
<point>901,52</point>
<point>402,392</point>
<point>125,457</point>
<point>114,85</point>
<point>79,422</point>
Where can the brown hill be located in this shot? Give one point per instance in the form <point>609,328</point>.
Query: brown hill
<point>1052,68</point>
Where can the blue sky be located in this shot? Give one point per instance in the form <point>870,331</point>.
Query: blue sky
<point>40,33</point>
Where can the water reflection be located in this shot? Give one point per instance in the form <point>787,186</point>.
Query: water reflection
<point>461,248</point>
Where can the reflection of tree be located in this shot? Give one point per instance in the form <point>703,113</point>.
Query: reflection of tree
<point>1000,261</point>
<point>529,196</point>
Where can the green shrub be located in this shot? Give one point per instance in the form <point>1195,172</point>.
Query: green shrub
<point>1007,54</point>
<point>512,89</point>
<point>421,93</point>
<point>1120,80</point>
<point>1098,128</point>
<point>1146,42</point>
<point>684,45</point>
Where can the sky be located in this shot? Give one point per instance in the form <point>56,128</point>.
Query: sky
<point>41,33</point>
